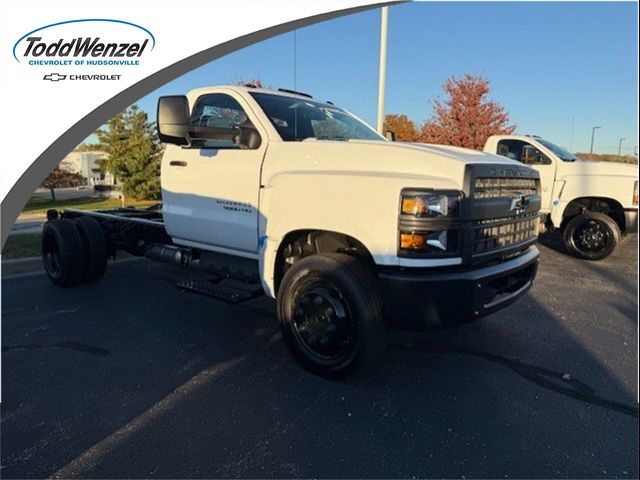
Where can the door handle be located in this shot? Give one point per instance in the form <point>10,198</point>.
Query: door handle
<point>178,163</point>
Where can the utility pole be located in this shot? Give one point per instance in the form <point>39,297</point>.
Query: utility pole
<point>384,22</point>
<point>620,146</point>
<point>593,134</point>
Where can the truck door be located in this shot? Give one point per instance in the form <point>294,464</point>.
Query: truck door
<point>210,189</point>
<point>530,155</point>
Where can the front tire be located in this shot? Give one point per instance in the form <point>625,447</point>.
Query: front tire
<point>592,236</point>
<point>330,312</point>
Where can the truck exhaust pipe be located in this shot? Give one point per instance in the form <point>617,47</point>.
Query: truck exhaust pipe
<point>169,254</point>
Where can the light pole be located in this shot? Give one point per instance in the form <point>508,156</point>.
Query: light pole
<point>593,134</point>
<point>384,22</point>
<point>620,146</point>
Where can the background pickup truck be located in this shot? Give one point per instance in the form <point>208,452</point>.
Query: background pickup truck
<point>594,203</point>
<point>274,192</point>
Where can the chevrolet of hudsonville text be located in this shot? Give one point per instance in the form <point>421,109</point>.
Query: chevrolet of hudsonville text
<point>273,192</point>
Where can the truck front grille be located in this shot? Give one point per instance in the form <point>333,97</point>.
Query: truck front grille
<point>498,233</point>
<point>497,187</point>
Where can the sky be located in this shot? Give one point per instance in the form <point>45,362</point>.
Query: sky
<point>557,68</point>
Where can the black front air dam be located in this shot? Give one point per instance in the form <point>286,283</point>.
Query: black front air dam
<point>416,299</point>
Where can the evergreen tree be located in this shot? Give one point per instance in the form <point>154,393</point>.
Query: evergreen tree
<point>132,153</point>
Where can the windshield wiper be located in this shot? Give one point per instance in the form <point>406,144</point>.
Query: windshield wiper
<point>326,137</point>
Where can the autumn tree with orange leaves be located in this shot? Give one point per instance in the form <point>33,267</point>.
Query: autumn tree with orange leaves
<point>403,127</point>
<point>255,82</point>
<point>59,178</point>
<point>466,118</point>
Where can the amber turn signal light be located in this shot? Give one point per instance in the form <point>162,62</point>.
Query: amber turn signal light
<point>412,241</point>
<point>414,206</point>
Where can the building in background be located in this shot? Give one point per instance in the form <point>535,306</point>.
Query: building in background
<point>85,163</point>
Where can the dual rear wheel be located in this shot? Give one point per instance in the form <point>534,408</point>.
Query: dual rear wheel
<point>74,251</point>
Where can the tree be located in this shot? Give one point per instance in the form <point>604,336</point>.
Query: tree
<point>254,81</point>
<point>608,157</point>
<point>132,151</point>
<point>466,118</point>
<point>85,147</point>
<point>403,127</point>
<point>59,178</point>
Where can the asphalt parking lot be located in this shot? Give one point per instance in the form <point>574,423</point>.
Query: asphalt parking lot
<point>134,378</point>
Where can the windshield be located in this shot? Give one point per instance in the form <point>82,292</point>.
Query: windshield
<point>559,151</point>
<point>297,119</point>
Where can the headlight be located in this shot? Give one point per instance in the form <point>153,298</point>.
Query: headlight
<point>431,205</point>
<point>635,193</point>
<point>426,225</point>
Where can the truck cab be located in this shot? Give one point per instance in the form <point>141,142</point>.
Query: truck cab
<point>594,204</point>
<point>350,233</point>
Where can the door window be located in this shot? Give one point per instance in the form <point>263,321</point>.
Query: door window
<point>222,111</point>
<point>522,152</point>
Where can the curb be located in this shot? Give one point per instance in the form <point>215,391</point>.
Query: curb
<point>31,217</point>
<point>21,266</point>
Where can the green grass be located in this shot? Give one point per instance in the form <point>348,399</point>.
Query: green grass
<point>22,245</point>
<point>41,205</point>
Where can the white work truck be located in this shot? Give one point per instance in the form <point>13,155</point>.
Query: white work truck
<point>595,204</point>
<point>275,192</point>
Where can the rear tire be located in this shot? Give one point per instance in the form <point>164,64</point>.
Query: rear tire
<point>591,235</point>
<point>95,249</point>
<point>62,252</point>
<point>330,312</point>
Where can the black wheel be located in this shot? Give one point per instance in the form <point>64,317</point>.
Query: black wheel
<point>62,252</point>
<point>95,250</point>
<point>330,311</point>
<point>592,236</point>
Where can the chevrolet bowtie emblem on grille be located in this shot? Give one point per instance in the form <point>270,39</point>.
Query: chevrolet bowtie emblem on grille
<point>519,203</point>
<point>54,77</point>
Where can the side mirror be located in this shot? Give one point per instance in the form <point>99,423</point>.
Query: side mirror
<point>173,119</point>
<point>532,156</point>
<point>390,135</point>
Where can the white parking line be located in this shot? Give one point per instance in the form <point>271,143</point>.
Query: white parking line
<point>92,457</point>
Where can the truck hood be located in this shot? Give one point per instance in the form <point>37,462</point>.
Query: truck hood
<point>441,153</point>
<point>449,153</point>
<point>609,169</point>
<point>413,164</point>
